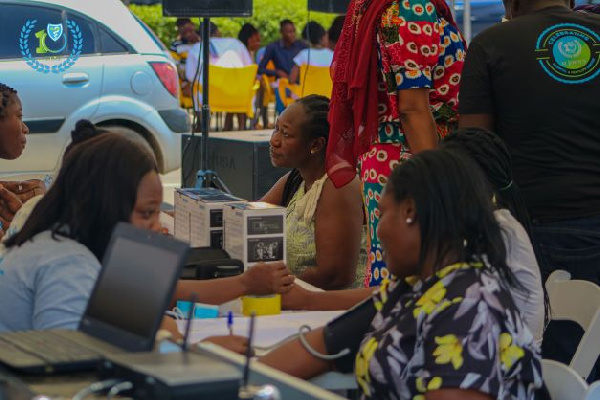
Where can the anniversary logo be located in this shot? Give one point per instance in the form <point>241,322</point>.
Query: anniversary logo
<point>50,43</point>
<point>569,53</point>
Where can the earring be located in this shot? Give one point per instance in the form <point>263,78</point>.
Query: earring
<point>312,151</point>
<point>409,221</point>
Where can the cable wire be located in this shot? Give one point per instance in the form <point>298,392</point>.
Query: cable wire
<point>327,357</point>
<point>95,387</point>
<point>118,388</point>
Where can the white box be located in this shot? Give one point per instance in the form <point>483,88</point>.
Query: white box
<point>182,215</point>
<point>254,232</point>
<point>206,217</point>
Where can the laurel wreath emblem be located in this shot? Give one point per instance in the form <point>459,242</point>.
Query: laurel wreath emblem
<point>41,67</point>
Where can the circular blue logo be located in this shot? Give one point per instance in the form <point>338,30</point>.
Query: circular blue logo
<point>51,42</point>
<point>569,53</point>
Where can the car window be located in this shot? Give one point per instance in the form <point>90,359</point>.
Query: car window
<point>31,30</point>
<point>109,43</point>
<point>87,38</point>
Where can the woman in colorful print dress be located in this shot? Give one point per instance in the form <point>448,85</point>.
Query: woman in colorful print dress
<point>396,73</point>
<point>445,327</point>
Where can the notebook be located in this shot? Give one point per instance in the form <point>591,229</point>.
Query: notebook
<point>137,280</point>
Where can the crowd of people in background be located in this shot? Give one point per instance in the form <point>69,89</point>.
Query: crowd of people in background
<point>439,187</point>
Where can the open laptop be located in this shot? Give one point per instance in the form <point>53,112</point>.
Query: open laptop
<point>138,277</point>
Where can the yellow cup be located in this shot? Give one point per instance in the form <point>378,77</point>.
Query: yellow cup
<point>262,305</point>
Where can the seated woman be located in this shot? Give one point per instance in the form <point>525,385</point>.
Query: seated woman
<point>318,55</point>
<point>493,158</point>
<point>446,326</point>
<point>51,265</point>
<point>12,143</point>
<point>324,224</point>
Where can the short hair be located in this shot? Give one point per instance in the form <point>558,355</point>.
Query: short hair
<point>246,32</point>
<point>283,23</point>
<point>7,96</point>
<point>335,30</point>
<point>212,28</point>
<point>95,189</point>
<point>313,32</point>
<point>317,110</point>
<point>182,21</point>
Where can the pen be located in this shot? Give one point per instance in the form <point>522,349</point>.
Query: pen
<point>230,322</point>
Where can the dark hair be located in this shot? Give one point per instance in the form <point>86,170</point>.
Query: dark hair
<point>6,98</point>
<point>83,131</point>
<point>212,28</point>
<point>182,21</point>
<point>335,30</point>
<point>283,23</point>
<point>313,32</point>
<point>453,209</point>
<point>317,125</point>
<point>95,189</point>
<point>246,32</point>
<point>317,109</point>
<point>492,156</point>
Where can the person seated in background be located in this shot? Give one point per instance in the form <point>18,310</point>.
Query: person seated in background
<point>334,31</point>
<point>12,143</point>
<point>318,55</point>
<point>492,156</point>
<point>187,36</point>
<point>51,265</point>
<point>281,53</point>
<point>250,37</point>
<point>446,326</point>
<point>324,224</point>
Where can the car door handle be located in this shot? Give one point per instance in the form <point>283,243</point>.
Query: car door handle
<point>75,77</point>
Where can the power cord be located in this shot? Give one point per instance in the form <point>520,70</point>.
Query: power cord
<point>96,387</point>
<point>308,58</point>
<point>119,388</point>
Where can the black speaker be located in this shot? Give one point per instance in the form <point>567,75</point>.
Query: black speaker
<point>241,159</point>
<point>207,8</point>
<point>329,6</point>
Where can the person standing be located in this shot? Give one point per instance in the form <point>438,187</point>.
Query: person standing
<point>534,81</point>
<point>408,55</point>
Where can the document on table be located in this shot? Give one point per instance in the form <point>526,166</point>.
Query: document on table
<point>269,329</point>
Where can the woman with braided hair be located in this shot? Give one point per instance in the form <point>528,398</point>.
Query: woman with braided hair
<point>324,224</point>
<point>12,143</point>
<point>396,73</point>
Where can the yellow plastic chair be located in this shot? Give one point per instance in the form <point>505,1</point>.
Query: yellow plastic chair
<point>231,90</point>
<point>313,80</point>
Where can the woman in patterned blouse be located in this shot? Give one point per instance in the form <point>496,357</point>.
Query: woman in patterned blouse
<point>445,327</point>
<point>396,74</point>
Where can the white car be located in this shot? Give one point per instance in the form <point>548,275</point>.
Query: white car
<point>92,59</point>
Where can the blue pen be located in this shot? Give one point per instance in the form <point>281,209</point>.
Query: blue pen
<point>230,322</point>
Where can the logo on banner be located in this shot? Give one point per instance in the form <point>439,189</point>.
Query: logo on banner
<point>51,41</point>
<point>569,53</point>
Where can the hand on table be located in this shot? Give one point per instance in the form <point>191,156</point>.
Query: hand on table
<point>237,344</point>
<point>267,278</point>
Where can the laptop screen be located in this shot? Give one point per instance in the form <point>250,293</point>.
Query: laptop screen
<point>132,290</point>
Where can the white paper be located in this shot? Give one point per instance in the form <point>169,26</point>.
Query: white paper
<point>269,329</point>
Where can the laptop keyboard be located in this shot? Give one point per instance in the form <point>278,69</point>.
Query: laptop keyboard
<point>48,346</point>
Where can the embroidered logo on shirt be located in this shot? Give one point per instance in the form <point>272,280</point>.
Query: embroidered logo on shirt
<point>569,53</point>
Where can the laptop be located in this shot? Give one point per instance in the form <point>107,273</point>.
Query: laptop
<point>137,280</point>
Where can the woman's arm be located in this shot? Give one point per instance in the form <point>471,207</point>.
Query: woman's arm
<point>275,194</point>
<point>299,298</point>
<point>304,364</point>
<point>261,279</point>
<point>338,230</point>
<point>417,120</point>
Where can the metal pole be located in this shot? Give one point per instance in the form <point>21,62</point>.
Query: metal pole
<point>205,106</point>
<point>467,20</point>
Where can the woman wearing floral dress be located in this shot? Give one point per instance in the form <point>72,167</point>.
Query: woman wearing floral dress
<point>396,72</point>
<point>445,327</point>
